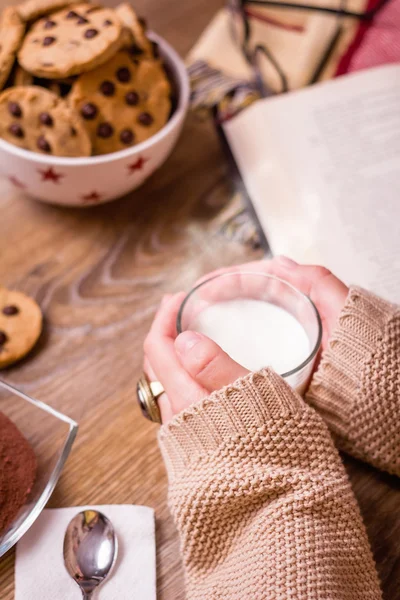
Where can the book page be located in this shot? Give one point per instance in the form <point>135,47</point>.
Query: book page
<point>322,168</point>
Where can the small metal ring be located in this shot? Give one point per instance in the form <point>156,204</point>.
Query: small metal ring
<point>147,393</point>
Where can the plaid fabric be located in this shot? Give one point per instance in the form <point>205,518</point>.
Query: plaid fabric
<point>380,43</point>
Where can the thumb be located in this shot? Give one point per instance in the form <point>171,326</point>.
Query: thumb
<point>206,362</point>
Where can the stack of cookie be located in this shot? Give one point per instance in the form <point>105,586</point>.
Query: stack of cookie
<point>79,79</point>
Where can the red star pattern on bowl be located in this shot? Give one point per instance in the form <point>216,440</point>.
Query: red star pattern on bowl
<point>93,180</point>
<point>137,165</point>
<point>50,175</point>
<point>91,197</point>
<point>15,181</point>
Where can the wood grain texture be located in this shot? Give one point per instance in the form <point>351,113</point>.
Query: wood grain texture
<point>99,275</point>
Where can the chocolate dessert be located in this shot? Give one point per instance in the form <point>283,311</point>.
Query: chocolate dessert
<point>17,471</point>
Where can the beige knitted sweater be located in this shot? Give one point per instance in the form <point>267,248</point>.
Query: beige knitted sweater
<point>258,491</point>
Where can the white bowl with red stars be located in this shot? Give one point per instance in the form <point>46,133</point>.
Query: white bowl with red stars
<point>98,179</point>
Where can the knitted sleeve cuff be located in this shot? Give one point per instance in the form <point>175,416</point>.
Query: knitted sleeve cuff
<point>248,404</point>
<point>335,386</point>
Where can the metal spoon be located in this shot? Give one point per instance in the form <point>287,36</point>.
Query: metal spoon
<point>90,550</point>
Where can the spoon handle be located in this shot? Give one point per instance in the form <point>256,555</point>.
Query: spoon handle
<point>86,595</point>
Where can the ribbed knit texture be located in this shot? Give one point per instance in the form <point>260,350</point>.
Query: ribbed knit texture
<point>261,500</point>
<point>357,386</point>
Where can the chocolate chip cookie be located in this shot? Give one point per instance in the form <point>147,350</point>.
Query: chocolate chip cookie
<point>71,41</point>
<point>123,102</point>
<point>12,31</point>
<point>135,31</point>
<point>36,119</point>
<point>20,325</point>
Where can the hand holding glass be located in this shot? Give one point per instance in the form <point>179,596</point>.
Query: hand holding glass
<point>259,320</point>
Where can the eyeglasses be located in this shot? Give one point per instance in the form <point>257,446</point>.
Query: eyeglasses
<point>259,57</point>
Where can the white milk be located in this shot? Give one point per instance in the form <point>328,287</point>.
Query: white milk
<point>255,334</point>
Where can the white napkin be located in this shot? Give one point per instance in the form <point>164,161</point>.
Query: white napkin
<point>40,573</point>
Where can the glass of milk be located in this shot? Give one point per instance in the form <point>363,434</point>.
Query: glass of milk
<point>259,320</point>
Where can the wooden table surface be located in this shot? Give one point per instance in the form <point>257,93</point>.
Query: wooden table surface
<point>99,275</point>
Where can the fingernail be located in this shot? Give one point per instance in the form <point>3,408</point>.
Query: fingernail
<point>287,262</point>
<point>186,340</point>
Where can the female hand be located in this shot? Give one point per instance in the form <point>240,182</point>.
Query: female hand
<point>191,366</point>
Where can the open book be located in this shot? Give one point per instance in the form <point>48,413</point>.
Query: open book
<point>322,168</point>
